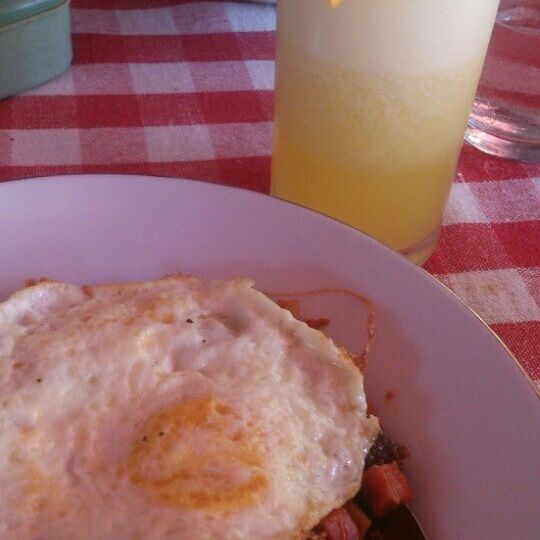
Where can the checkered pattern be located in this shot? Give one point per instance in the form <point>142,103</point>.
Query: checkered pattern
<point>184,88</point>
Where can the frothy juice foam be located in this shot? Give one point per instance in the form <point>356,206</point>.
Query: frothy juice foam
<point>372,99</point>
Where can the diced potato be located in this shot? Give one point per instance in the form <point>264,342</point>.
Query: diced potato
<point>339,525</point>
<point>384,487</point>
<point>362,522</point>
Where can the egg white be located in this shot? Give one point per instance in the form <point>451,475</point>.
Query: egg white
<point>173,409</point>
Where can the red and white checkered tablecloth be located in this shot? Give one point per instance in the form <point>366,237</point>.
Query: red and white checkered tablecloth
<point>184,88</point>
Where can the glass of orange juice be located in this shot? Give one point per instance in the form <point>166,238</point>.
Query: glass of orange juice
<point>372,100</point>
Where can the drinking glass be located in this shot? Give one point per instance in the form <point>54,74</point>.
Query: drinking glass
<point>372,100</point>
<point>505,120</point>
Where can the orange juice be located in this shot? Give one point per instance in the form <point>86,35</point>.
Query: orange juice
<point>372,99</point>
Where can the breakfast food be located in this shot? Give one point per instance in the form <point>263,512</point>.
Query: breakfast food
<point>178,409</point>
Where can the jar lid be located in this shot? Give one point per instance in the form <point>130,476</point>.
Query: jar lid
<point>16,10</point>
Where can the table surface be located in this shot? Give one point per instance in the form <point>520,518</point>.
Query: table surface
<point>184,89</point>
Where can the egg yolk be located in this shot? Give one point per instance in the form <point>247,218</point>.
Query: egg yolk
<point>191,455</point>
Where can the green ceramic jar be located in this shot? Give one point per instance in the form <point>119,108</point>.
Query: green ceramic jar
<point>35,43</point>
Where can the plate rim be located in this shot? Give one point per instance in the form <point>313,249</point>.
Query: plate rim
<point>445,290</point>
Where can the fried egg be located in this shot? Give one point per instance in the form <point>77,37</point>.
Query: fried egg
<point>172,409</point>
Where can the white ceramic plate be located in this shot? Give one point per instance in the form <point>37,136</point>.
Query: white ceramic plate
<point>461,403</point>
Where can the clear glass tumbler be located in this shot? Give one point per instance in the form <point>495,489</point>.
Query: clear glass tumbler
<point>505,120</point>
<point>372,100</point>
